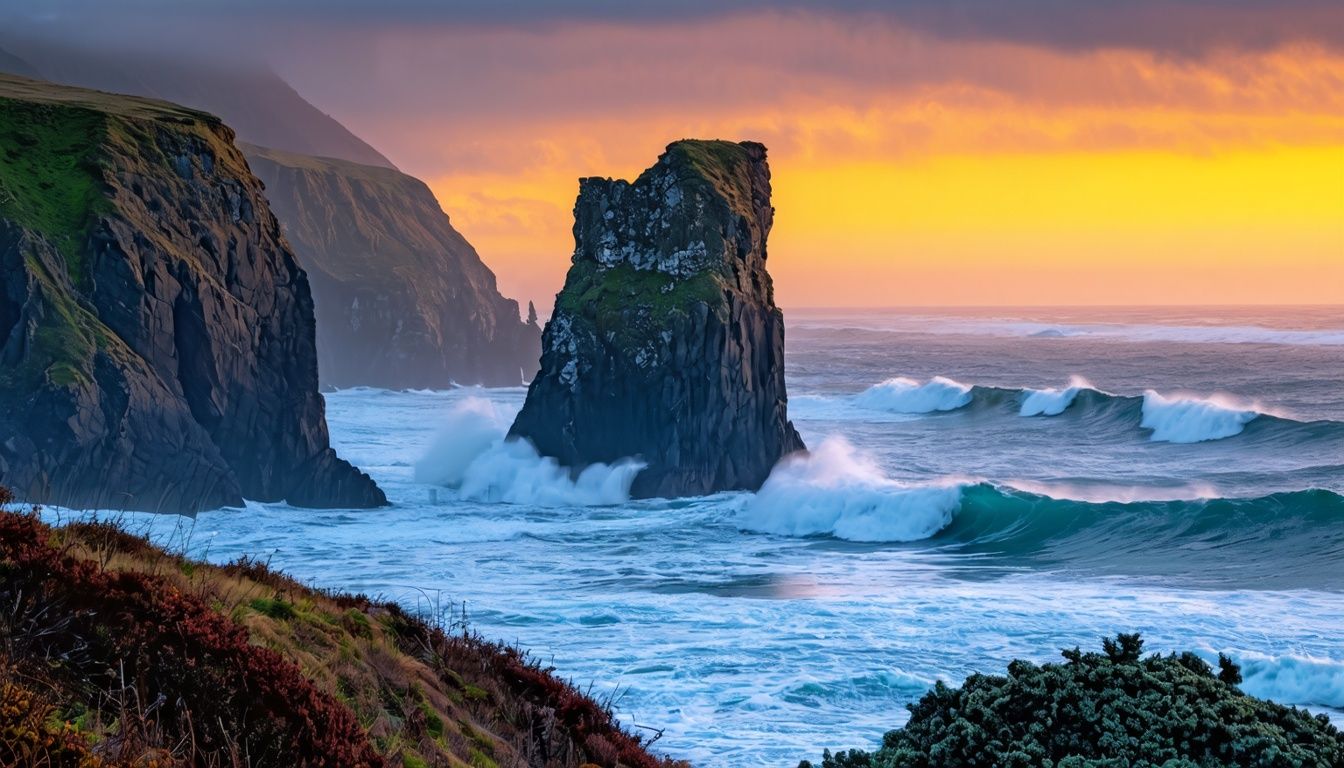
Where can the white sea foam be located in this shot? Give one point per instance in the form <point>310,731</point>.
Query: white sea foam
<point>1052,402</point>
<point>835,490</point>
<point>1101,493</point>
<point>1191,419</point>
<point>1301,680</point>
<point>902,395</point>
<point>472,455</point>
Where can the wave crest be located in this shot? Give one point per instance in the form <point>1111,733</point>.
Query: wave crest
<point>1193,419</point>
<point>1293,679</point>
<point>1052,402</point>
<point>834,490</point>
<point>902,395</point>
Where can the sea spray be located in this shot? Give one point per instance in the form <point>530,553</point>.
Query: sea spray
<point>902,395</point>
<point>835,490</point>
<point>471,455</point>
<point>1305,680</point>
<point>1180,419</point>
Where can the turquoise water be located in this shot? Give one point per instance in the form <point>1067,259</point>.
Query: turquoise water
<point>1176,472</point>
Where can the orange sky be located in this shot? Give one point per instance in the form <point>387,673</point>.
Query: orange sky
<point>908,168</point>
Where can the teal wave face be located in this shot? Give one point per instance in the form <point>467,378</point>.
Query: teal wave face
<point>1283,540</point>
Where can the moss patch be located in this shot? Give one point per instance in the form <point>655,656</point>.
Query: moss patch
<point>50,180</point>
<point>635,304</point>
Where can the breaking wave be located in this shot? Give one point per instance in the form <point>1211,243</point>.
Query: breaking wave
<point>1302,680</point>
<point>1052,402</point>
<point>1172,417</point>
<point>836,491</point>
<point>1283,539</point>
<point>1193,419</point>
<point>902,395</point>
<point>473,456</point>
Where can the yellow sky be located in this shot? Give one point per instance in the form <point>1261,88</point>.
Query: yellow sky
<point>1017,175</point>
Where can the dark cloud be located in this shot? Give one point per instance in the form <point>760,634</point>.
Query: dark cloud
<point>1176,27</point>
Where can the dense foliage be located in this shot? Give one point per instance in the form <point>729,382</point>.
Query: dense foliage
<point>1113,709</point>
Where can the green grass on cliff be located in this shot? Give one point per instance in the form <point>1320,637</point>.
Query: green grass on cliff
<point>725,165</point>
<point>58,147</point>
<point>711,157</point>
<point>49,179</point>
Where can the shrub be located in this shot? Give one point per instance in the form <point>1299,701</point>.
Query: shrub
<point>1103,711</point>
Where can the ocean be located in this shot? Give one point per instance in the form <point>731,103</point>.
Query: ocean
<point>983,485</point>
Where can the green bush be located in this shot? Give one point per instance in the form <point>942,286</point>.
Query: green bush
<point>1113,709</point>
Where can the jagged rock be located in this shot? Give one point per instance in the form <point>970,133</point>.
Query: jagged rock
<point>402,299</point>
<point>665,343</point>
<point>156,332</point>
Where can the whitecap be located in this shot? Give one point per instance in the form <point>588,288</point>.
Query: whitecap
<point>1300,680</point>
<point>902,395</point>
<point>1052,402</point>
<point>835,490</point>
<point>1188,419</point>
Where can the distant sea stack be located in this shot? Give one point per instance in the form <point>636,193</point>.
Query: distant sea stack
<point>665,343</point>
<point>402,299</point>
<point>156,331</point>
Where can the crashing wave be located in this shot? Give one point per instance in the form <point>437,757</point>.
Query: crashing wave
<point>902,395</point>
<point>1293,679</point>
<point>1193,419</point>
<point>472,456</point>
<point>1052,402</point>
<point>834,490</point>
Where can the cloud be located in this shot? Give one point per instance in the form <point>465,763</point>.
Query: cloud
<point>1171,27</point>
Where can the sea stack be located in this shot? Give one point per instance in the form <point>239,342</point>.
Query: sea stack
<point>665,343</point>
<point>156,331</point>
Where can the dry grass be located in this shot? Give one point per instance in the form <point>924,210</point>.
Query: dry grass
<point>424,693</point>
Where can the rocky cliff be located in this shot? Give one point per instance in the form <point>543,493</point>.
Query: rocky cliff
<point>665,342</point>
<point>156,331</point>
<point>402,299</point>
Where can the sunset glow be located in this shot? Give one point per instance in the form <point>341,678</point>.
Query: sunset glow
<point>911,170</point>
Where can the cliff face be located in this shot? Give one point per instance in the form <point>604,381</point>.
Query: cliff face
<point>666,343</point>
<point>156,332</point>
<point>402,299</point>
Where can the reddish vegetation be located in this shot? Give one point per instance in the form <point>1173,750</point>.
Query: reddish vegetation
<point>115,653</point>
<point>195,672</point>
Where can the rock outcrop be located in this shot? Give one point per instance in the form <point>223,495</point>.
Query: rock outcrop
<point>402,299</point>
<point>665,343</point>
<point>156,331</point>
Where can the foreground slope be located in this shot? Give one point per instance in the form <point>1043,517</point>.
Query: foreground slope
<point>666,343</point>
<point>402,299</point>
<point>117,653</point>
<point>156,331</point>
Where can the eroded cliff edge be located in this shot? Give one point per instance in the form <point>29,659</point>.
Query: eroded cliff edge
<point>402,299</point>
<point>665,343</point>
<point>156,331</point>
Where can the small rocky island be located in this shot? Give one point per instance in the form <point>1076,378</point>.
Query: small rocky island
<point>156,331</point>
<point>665,343</point>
